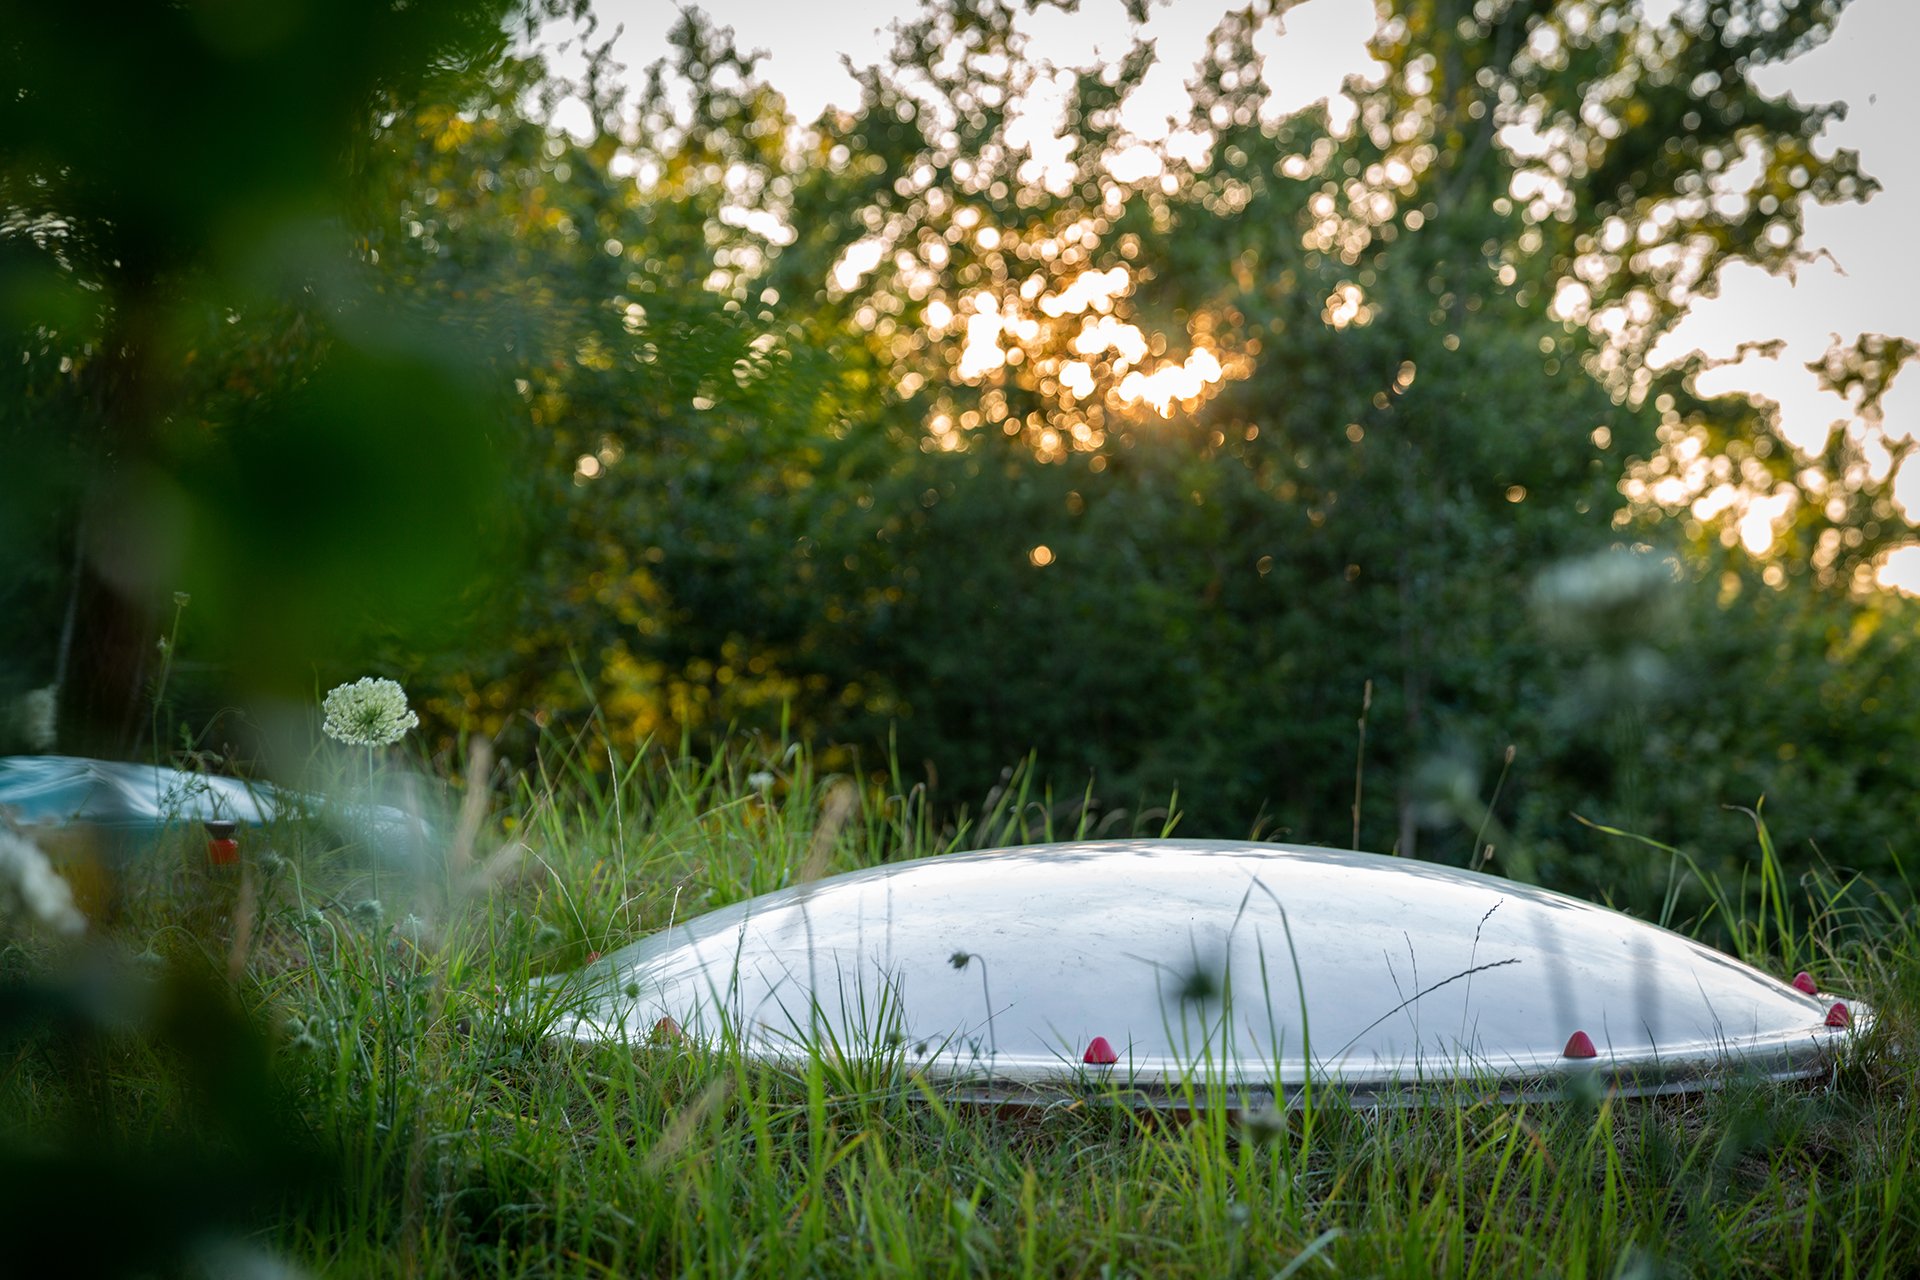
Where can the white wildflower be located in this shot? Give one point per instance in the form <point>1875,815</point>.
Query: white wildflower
<point>1609,599</point>
<point>31,890</point>
<point>370,712</point>
<point>1597,583</point>
<point>38,715</point>
<point>760,780</point>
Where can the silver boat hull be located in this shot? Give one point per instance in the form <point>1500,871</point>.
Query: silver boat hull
<point>1266,969</point>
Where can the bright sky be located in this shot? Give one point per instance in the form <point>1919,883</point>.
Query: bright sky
<point>1870,282</point>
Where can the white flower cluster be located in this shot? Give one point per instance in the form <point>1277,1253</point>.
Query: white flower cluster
<point>370,712</point>
<point>37,715</point>
<point>32,891</point>
<point>1605,583</point>
<point>1610,601</point>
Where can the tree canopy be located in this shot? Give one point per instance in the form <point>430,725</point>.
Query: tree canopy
<point>1170,462</point>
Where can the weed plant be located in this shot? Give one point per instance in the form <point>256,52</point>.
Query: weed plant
<point>417,1119</point>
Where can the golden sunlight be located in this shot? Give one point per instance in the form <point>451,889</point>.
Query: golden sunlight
<point>1173,382</point>
<point>1048,323</point>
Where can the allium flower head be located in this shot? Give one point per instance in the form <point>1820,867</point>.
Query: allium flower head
<point>31,890</point>
<point>370,712</point>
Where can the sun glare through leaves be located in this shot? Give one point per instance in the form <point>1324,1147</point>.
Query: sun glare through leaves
<point>1051,332</point>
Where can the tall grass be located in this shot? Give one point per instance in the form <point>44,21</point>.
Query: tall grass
<point>465,1141</point>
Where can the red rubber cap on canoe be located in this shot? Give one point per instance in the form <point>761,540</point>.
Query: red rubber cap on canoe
<point>1803,981</point>
<point>1838,1016</point>
<point>1100,1053</point>
<point>1580,1045</point>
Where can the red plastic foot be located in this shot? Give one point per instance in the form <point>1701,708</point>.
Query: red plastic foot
<point>1580,1045</point>
<point>666,1031</point>
<point>1100,1053</point>
<point>1803,981</point>
<point>1838,1016</point>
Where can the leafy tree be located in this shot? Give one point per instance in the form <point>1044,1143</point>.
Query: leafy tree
<point>678,416</point>
<point>1417,338</point>
<point>209,401</point>
<point>903,436</point>
<point>888,430</point>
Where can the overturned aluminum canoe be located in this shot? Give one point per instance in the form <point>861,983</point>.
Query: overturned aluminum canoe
<point>1158,964</point>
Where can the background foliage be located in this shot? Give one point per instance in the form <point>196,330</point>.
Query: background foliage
<point>879,431</point>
